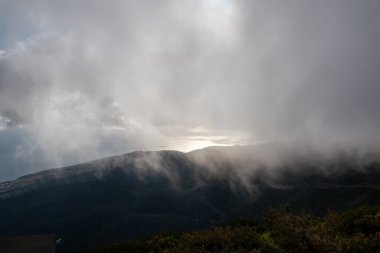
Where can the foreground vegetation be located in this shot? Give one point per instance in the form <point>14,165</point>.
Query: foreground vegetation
<point>355,230</point>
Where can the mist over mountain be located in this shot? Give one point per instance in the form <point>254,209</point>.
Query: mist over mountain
<point>89,79</point>
<point>143,193</point>
<point>257,103</point>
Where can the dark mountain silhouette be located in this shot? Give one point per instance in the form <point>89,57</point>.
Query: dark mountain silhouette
<point>143,193</point>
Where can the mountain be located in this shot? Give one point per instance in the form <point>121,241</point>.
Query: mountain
<point>144,193</point>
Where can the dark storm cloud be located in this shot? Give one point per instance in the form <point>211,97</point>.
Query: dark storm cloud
<point>140,74</point>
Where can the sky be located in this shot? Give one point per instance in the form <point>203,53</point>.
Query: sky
<point>82,79</point>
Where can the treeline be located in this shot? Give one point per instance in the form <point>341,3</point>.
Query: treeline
<point>279,230</point>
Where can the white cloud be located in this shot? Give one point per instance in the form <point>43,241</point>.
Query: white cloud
<point>144,74</point>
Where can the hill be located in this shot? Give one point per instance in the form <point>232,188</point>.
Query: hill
<point>145,193</point>
<point>354,230</point>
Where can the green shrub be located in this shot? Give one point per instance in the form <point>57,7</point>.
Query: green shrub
<point>279,231</point>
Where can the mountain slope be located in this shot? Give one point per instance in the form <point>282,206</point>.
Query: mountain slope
<point>278,231</point>
<point>143,193</point>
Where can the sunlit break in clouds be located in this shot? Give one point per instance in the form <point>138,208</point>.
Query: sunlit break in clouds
<point>81,80</point>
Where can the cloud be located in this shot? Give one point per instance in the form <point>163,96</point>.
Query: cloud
<point>90,78</point>
<point>320,66</point>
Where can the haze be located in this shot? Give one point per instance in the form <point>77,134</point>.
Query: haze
<point>81,80</point>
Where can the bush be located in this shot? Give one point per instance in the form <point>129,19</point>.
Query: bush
<point>279,231</point>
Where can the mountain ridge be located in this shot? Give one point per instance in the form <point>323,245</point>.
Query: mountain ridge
<point>143,193</point>
<point>100,166</point>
